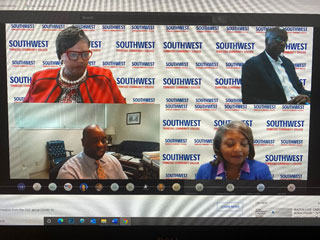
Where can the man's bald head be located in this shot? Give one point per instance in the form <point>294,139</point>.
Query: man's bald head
<point>94,141</point>
<point>89,129</point>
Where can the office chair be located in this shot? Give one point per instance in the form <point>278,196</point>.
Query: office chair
<point>57,152</point>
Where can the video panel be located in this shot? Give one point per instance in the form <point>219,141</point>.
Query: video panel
<point>190,74</point>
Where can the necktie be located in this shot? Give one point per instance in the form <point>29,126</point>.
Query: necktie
<point>100,171</point>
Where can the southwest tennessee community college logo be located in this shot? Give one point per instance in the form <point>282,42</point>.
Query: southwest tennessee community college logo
<point>182,47</point>
<point>176,141</point>
<point>113,28</point>
<point>51,64</point>
<point>284,125</point>
<point>135,82</point>
<point>234,104</point>
<point>206,104</point>
<point>284,159</point>
<point>296,48</point>
<point>142,28</point>
<point>95,46</point>
<point>142,64</point>
<point>20,81</point>
<point>113,64</point>
<point>177,28</point>
<point>176,104</point>
<point>227,83</point>
<point>23,63</point>
<point>86,27</point>
<point>52,27</point>
<point>207,65</point>
<point>291,142</point>
<point>264,107</point>
<point>143,100</point>
<point>28,45</point>
<point>218,123</point>
<point>237,29</point>
<point>181,124</point>
<point>176,83</point>
<point>174,158</point>
<point>264,142</point>
<point>293,108</point>
<point>22,27</point>
<point>177,65</point>
<point>207,29</point>
<point>235,47</point>
<point>135,46</point>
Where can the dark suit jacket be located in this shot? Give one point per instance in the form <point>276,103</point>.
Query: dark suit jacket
<point>261,84</point>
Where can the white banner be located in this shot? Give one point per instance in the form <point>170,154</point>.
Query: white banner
<point>194,73</point>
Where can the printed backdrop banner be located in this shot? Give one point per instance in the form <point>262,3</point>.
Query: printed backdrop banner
<point>194,73</point>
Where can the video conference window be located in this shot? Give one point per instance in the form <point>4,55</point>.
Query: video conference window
<point>45,136</point>
<point>198,77</point>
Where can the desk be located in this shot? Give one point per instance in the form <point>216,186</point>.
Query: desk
<point>150,171</point>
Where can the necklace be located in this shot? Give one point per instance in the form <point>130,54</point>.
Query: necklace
<point>226,173</point>
<point>69,81</point>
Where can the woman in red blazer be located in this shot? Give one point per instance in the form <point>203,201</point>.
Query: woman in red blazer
<point>75,81</point>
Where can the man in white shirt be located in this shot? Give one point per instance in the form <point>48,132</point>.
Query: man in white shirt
<point>93,162</point>
<point>270,78</point>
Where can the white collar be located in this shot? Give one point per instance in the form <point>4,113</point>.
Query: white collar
<point>279,61</point>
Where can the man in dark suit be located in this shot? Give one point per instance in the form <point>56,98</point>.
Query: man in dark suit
<point>270,78</point>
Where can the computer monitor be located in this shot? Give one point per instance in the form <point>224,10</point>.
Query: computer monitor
<point>160,86</point>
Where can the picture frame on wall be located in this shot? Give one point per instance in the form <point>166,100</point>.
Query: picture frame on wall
<point>134,118</point>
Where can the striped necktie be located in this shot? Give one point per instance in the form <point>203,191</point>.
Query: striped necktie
<point>100,171</point>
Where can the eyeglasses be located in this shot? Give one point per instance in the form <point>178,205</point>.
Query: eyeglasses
<point>74,55</point>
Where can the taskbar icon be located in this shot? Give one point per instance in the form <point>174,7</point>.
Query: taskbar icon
<point>88,221</point>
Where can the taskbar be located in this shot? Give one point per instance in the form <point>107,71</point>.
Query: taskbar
<point>275,220</point>
<point>159,187</point>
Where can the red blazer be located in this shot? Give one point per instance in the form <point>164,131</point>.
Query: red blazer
<point>100,87</point>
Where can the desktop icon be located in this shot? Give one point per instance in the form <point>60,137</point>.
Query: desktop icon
<point>36,187</point>
<point>130,187</point>
<point>52,187</point>
<point>60,220</point>
<point>161,187</point>
<point>99,187</point>
<point>82,221</point>
<point>93,221</point>
<point>71,220</point>
<point>103,221</point>
<point>21,186</point>
<point>83,187</point>
<point>125,221</point>
<point>261,187</point>
<point>114,187</point>
<point>291,187</point>
<point>68,187</point>
<point>176,187</point>
<point>115,221</point>
<point>230,187</point>
<point>199,187</point>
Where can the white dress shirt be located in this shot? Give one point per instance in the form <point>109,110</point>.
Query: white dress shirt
<point>83,167</point>
<point>289,90</point>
